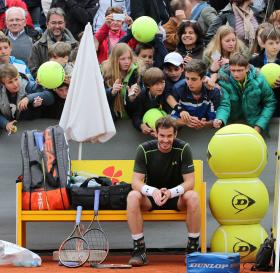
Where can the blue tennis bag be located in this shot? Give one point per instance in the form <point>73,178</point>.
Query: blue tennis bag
<point>213,262</point>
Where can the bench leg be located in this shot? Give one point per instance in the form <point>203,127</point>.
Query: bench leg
<point>21,234</point>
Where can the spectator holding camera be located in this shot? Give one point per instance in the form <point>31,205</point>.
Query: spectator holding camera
<point>111,32</point>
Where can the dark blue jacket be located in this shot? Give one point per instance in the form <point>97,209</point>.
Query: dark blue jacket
<point>204,107</point>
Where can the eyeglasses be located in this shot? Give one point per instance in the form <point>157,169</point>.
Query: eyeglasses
<point>59,23</point>
<point>17,20</point>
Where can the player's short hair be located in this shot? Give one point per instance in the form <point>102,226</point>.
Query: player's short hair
<point>166,123</point>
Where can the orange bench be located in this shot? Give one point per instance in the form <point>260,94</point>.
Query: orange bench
<point>120,170</point>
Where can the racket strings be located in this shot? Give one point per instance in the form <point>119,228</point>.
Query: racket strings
<point>74,250</point>
<point>98,245</point>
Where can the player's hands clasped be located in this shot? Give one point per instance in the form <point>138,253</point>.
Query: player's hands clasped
<point>161,196</point>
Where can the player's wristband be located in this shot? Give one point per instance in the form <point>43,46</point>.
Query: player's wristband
<point>147,190</point>
<point>178,108</point>
<point>177,191</point>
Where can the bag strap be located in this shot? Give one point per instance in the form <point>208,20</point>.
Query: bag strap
<point>50,159</point>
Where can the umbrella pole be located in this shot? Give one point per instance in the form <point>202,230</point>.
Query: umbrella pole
<point>80,151</point>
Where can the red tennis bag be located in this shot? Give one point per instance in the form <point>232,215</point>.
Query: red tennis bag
<point>46,169</point>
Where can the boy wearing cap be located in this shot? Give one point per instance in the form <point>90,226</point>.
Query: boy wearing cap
<point>174,72</point>
<point>195,104</point>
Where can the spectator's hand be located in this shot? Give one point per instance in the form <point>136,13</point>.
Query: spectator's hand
<point>187,59</point>
<point>185,116</point>
<point>209,83</point>
<point>277,83</point>
<point>67,79</point>
<point>146,129</point>
<point>258,129</point>
<point>217,123</point>
<point>128,20</point>
<point>158,197</point>
<point>133,91</point>
<point>23,104</point>
<point>9,126</point>
<point>224,61</point>
<point>216,65</point>
<point>109,19</point>
<point>193,122</point>
<point>38,101</point>
<point>180,15</point>
<point>117,86</point>
<point>203,123</point>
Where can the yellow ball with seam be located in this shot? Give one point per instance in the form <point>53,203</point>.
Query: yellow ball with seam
<point>243,239</point>
<point>239,201</point>
<point>237,150</point>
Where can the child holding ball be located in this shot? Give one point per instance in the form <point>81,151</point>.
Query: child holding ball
<point>16,102</point>
<point>270,39</point>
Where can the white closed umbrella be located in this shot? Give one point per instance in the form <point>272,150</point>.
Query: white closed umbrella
<point>86,115</point>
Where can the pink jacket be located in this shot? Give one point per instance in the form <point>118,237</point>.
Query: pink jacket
<point>102,36</point>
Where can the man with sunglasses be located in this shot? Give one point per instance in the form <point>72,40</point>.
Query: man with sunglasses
<point>55,32</point>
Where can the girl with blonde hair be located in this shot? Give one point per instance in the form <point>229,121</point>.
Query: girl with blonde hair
<point>221,48</point>
<point>121,78</point>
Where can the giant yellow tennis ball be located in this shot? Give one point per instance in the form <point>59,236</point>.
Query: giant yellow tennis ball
<point>151,116</point>
<point>239,201</point>
<point>243,239</point>
<point>271,72</point>
<point>237,150</point>
<point>144,29</point>
<point>50,74</point>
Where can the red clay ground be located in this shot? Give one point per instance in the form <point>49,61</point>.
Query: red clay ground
<point>158,264</point>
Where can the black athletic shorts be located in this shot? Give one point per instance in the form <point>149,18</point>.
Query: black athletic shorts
<point>171,204</point>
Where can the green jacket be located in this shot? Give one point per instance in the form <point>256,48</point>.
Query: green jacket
<point>254,101</point>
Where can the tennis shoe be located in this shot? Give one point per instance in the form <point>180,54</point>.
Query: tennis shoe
<point>193,245</point>
<point>138,255</point>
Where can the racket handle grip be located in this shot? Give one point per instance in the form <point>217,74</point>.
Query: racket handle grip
<point>96,200</point>
<point>79,213</point>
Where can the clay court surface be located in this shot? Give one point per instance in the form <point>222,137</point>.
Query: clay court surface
<point>157,264</point>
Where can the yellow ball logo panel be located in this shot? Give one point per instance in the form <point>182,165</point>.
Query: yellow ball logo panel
<point>239,201</point>
<point>243,239</point>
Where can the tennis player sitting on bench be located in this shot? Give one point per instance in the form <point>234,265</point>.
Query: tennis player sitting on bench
<point>163,179</point>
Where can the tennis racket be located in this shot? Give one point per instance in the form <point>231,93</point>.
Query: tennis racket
<point>96,237</point>
<point>120,266</point>
<point>74,251</point>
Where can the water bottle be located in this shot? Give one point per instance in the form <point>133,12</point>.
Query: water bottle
<point>13,254</point>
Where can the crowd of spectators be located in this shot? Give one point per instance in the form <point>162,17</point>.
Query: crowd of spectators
<point>202,67</point>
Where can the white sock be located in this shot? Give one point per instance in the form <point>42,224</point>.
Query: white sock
<point>136,237</point>
<point>193,235</point>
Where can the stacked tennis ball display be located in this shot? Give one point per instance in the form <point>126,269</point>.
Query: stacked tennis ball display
<point>237,154</point>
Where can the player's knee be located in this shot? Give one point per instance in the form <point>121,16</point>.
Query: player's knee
<point>133,198</point>
<point>192,199</point>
